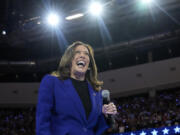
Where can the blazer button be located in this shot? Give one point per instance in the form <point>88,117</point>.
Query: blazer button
<point>85,129</point>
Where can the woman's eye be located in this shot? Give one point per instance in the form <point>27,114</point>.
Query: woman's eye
<point>86,53</point>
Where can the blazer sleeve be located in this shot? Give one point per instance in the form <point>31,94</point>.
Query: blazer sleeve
<point>101,125</point>
<point>44,106</point>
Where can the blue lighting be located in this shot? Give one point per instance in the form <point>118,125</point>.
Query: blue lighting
<point>172,130</point>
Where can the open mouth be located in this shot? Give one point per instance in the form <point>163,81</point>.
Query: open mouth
<point>81,63</point>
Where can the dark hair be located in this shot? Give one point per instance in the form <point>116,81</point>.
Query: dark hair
<point>63,71</point>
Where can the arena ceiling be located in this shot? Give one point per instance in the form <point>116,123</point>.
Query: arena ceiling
<point>121,37</point>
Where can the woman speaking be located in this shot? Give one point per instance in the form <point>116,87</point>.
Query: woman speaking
<point>69,100</point>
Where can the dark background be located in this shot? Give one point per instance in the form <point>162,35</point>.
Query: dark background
<point>127,34</point>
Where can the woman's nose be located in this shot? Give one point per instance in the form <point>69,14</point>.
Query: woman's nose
<point>82,55</point>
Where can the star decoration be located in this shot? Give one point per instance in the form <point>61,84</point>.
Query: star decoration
<point>177,130</point>
<point>154,132</point>
<point>142,133</point>
<point>165,131</point>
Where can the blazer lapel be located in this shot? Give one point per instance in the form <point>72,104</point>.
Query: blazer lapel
<point>95,105</point>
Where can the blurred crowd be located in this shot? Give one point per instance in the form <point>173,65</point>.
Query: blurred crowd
<point>143,112</point>
<point>17,121</point>
<point>134,113</point>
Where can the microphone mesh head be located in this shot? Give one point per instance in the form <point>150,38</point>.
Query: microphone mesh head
<point>105,93</point>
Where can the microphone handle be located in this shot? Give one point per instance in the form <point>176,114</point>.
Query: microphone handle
<point>110,119</point>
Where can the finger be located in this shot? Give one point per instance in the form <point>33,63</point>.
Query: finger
<point>111,103</point>
<point>111,113</point>
<point>105,109</point>
<point>109,108</point>
<point>112,107</point>
<point>105,105</point>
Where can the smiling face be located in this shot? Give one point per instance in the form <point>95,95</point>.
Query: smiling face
<point>80,62</point>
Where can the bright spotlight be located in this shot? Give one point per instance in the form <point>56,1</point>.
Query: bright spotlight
<point>146,1</point>
<point>3,32</point>
<point>53,19</point>
<point>95,8</point>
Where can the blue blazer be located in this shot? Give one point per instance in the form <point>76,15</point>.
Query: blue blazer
<point>61,112</point>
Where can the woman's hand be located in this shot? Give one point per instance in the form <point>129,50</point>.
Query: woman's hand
<point>109,109</point>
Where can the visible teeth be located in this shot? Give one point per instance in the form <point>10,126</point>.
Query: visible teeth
<point>81,63</point>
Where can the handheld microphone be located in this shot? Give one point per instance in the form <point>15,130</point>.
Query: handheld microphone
<point>106,100</point>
